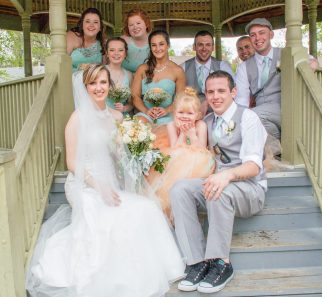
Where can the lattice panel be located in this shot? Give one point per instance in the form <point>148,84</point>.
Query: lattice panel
<point>229,8</point>
<point>180,9</point>
<point>106,7</point>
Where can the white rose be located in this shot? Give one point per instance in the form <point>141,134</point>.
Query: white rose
<point>142,136</point>
<point>126,138</point>
<point>231,125</point>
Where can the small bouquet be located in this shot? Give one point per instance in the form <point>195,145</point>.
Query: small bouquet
<point>138,137</point>
<point>119,94</point>
<point>156,96</point>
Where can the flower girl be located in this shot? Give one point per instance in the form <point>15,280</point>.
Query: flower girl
<point>189,157</point>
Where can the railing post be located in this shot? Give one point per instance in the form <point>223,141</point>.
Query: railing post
<point>12,250</point>
<point>292,54</point>
<point>60,63</point>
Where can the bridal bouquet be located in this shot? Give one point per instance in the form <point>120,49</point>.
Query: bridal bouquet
<point>156,96</point>
<point>119,94</point>
<point>138,137</point>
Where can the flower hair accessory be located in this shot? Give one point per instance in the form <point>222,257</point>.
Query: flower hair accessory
<point>230,127</point>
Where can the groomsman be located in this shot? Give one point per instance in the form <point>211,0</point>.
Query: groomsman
<point>198,68</point>
<point>237,188</point>
<point>244,48</point>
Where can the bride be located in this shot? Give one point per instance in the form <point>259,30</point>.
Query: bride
<point>112,242</point>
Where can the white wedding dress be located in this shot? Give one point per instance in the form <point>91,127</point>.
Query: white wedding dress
<point>95,250</point>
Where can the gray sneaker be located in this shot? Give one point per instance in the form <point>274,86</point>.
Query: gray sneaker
<point>219,274</point>
<point>195,274</point>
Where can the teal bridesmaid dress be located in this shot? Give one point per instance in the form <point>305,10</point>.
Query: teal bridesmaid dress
<point>87,55</point>
<point>167,85</point>
<point>125,84</point>
<point>135,56</point>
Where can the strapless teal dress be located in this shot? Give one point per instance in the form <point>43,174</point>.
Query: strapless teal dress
<point>87,55</point>
<point>125,84</point>
<point>167,85</point>
<point>135,56</point>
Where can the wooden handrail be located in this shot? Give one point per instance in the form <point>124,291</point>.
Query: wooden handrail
<point>312,83</point>
<point>27,132</point>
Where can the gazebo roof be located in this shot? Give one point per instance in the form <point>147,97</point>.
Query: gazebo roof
<point>182,18</point>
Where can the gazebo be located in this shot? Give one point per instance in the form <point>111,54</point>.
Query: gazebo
<point>34,110</point>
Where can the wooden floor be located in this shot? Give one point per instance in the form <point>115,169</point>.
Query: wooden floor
<point>275,253</point>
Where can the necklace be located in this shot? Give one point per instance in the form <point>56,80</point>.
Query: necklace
<point>160,69</point>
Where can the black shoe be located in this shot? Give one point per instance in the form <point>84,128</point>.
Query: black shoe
<point>219,274</point>
<point>195,274</point>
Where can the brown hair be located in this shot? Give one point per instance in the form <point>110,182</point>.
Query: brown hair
<point>79,31</point>
<point>151,61</point>
<point>142,14</point>
<point>91,72</point>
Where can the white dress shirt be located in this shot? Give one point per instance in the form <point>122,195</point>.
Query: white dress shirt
<point>242,83</point>
<point>253,137</point>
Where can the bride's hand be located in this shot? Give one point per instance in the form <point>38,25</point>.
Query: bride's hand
<point>111,198</point>
<point>119,106</point>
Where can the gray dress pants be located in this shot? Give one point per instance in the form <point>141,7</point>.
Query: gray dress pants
<point>270,116</point>
<point>243,199</point>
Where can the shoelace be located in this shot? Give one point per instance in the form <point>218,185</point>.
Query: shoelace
<point>215,271</point>
<point>196,270</point>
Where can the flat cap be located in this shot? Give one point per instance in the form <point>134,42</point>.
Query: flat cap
<point>259,22</point>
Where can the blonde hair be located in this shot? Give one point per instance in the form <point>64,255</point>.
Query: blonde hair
<point>91,72</point>
<point>187,99</point>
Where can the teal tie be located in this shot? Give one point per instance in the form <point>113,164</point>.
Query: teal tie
<point>216,133</point>
<point>265,71</point>
<point>201,78</point>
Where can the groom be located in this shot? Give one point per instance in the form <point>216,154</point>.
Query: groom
<point>237,188</point>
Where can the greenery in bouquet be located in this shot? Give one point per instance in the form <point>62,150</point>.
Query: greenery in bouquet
<point>138,137</point>
<point>119,94</point>
<point>156,96</point>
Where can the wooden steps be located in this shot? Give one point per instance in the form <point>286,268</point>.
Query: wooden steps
<point>278,252</point>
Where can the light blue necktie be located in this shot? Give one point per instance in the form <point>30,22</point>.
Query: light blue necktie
<point>265,71</point>
<point>201,78</point>
<point>216,133</point>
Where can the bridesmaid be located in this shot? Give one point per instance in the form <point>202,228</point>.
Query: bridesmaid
<point>85,41</point>
<point>158,73</point>
<point>137,26</point>
<point>116,51</point>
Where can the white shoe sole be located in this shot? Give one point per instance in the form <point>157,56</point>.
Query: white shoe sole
<point>214,289</point>
<point>186,288</point>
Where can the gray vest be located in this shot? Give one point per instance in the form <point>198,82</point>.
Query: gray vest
<point>271,92</point>
<point>191,75</point>
<point>229,143</point>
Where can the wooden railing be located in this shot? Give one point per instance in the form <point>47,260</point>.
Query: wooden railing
<point>26,174</point>
<point>310,142</point>
<point>16,98</point>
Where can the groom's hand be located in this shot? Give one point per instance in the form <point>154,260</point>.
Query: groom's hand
<point>216,183</point>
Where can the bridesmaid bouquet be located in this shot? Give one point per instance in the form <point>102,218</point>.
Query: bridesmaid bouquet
<point>156,96</point>
<point>119,94</point>
<point>138,137</point>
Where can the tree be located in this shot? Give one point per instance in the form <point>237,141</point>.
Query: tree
<point>306,35</point>
<point>11,48</point>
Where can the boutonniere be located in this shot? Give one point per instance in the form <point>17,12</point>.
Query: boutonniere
<point>278,66</point>
<point>230,127</point>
